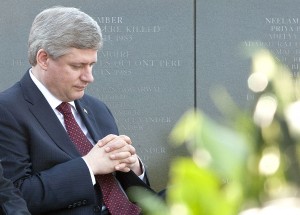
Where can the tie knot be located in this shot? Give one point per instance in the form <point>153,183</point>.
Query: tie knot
<point>64,108</point>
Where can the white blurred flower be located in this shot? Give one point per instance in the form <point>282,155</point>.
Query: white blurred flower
<point>265,110</point>
<point>270,161</point>
<point>202,157</point>
<point>292,115</point>
<point>287,206</point>
<point>257,82</point>
<point>263,62</point>
<point>179,209</point>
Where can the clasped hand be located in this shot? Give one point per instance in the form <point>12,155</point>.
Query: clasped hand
<point>113,153</point>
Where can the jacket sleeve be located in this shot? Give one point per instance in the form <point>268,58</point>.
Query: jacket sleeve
<point>10,198</point>
<point>47,189</point>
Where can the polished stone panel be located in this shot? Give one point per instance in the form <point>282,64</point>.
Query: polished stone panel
<point>226,28</point>
<point>145,71</point>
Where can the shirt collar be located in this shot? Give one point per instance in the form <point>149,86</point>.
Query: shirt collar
<point>51,99</point>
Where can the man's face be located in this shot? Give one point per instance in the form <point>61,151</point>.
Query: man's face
<point>68,76</point>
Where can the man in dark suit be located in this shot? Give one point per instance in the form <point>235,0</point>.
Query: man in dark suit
<point>36,147</point>
<point>11,202</point>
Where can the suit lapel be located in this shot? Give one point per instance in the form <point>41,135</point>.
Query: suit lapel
<point>89,120</point>
<point>41,110</point>
<point>49,121</point>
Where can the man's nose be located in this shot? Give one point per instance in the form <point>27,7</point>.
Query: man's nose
<point>88,74</point>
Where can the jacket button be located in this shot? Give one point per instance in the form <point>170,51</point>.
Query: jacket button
<point>97,209</point>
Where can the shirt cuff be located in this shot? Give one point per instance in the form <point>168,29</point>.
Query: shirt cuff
<point>91,172</point>
<point>142,176</point>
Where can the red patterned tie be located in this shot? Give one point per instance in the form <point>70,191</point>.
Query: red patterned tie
<point>113,197</point>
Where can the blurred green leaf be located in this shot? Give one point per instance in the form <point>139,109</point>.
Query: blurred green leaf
<point>220,147</point>
<point>196,191</point>
<point>251,159</point>
<point>151,204</point>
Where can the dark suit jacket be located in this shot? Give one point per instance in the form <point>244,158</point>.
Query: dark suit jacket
<point>11,202</point>
<point>38,155</point>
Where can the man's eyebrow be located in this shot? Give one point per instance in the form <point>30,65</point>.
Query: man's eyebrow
<point>81,63</point>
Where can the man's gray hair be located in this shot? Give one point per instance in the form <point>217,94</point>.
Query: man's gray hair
<point>58,29</point>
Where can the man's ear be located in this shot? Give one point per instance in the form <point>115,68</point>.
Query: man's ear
<point>42,59</point>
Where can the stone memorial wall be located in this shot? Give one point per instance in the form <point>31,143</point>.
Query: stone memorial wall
<point>144,72</point>
<point>226,28</point>
<point>161,58</point>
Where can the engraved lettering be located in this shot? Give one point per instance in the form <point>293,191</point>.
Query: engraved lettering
<point>143,29</point>
<point>284,21</point>
<point>112,20</point>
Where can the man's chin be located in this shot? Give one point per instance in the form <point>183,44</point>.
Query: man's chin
<point>78,95</point>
